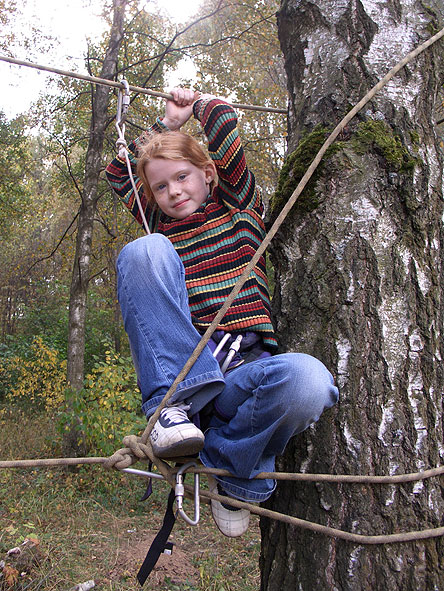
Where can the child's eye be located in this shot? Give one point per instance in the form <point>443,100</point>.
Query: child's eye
<point>160,187</point>
<point>182,177</point>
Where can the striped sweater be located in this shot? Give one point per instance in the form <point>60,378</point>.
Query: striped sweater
<point>218,240</point>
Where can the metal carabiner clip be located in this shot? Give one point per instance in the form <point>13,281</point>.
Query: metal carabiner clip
<point>123,102</point>
<point>180,491</point>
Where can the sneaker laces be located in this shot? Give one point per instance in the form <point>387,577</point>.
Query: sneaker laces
<point>176,413</point>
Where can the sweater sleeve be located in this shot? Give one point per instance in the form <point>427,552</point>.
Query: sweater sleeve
<point>119,179</point>
<point>237,184</point>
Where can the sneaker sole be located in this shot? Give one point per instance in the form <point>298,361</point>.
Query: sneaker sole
<point>187,447</point>
<point>231,524</point>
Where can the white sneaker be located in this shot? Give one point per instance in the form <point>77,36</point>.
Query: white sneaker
<point>174,434</point>
<point>231,522</point>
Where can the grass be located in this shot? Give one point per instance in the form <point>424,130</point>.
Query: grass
<point>90,525</point>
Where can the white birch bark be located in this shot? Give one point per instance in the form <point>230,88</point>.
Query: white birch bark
<point>360,285</point>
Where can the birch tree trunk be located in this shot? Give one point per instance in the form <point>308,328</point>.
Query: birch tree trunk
<point>93,167</point>
<point>359,270</point>
<point>72,443</point>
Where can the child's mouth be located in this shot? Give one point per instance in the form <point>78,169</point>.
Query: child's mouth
<point>180,203</point>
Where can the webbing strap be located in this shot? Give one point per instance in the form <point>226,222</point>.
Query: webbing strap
<point>159,542</point>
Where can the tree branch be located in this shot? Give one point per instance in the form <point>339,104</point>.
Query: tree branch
<point>54,250</point>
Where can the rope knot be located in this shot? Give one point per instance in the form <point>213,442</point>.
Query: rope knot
<point>137,446</point>
<point>125,457</point>
<point>122,147</point>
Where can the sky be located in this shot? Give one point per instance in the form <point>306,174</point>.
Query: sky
<point>72,22</point>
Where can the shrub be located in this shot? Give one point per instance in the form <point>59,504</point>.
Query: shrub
<point>108,408</point>
<point>36,377</point>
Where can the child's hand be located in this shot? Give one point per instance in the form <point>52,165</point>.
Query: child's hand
<point>180,109</point>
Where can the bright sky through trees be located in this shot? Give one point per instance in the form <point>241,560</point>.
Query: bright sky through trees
<point>71,23</point>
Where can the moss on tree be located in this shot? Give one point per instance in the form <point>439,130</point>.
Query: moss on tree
<point>294,168</point>
<point>378,136</point>
<point>370,136</point>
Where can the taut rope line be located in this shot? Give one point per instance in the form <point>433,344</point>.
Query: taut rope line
<point>293,476</point>
<point>113,84</point>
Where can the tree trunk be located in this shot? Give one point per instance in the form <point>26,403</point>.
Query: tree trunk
<point>359,270</point>
<point>93,167</point>
<point>72,443</point>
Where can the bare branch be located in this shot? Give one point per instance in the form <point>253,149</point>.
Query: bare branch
<point>68,164</point>
<point>54,250</point>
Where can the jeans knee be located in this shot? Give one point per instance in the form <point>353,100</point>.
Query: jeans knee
<point>308,384</point>
<point>153,248</point>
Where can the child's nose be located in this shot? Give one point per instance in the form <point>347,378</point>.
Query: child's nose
<point>175,189</point>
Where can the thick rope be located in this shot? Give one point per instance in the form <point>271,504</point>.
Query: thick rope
<point>261,511</point>
<point>140,452</point>
<point>113,84</point>
<point>324,529</point>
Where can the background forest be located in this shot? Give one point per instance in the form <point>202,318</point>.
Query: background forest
<point>46,184</point>
<point>235,52</point>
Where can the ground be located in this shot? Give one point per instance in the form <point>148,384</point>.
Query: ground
<point>89,524</point>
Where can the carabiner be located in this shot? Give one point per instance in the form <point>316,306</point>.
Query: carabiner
<point>180,491</point>
<point>234,348</point>
<point>143,473</point>
<point>123,102</point>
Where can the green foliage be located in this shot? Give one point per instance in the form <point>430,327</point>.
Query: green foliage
<point>34,378</point>
<point>14,164</point>
<point>108,408</point>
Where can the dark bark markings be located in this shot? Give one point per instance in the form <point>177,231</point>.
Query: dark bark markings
<point>359,286</point>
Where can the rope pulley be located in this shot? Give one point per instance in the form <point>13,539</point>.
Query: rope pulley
<point>123,103</point>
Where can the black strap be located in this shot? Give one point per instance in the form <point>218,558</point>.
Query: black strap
<point>160,541</point>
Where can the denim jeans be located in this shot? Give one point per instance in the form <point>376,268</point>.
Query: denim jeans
<point>259,406</point>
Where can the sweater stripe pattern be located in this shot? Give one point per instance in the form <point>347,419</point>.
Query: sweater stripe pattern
<point>217,241</point>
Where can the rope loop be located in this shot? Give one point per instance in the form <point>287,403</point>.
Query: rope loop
<point>139,449</point>
<point>121,458</point>
<point>121,141</point>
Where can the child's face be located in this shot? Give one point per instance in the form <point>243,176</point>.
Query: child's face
<point>178,186</point>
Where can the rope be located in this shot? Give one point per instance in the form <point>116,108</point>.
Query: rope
<point>292,476</point>
<point>123,153</point>
<point>262,512</point>
<point>324,529</point>
<point>113,84</point>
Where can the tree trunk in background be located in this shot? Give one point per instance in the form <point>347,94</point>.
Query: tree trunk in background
<point>81,266</point>
<point>359,270</point>
<point>93,167</point>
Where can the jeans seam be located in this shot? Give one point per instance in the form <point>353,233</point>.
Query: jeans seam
<point>256,402</point>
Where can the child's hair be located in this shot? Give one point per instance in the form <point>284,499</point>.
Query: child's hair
<point>169,145</point>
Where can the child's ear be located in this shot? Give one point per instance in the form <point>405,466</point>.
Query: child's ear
<point>210,172</point>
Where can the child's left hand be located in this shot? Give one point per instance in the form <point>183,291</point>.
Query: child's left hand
<point>180,109</point>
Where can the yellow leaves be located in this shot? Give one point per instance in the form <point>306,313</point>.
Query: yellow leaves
<point>10,575</point>
<point>109,406</point>
<point>39,378</point>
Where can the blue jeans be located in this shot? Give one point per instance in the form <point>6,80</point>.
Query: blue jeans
<point>259,406</point>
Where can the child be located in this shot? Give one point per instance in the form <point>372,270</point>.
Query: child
<point>172,283</point>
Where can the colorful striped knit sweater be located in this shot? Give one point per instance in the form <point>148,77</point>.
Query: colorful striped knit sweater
<point>217,241</point>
